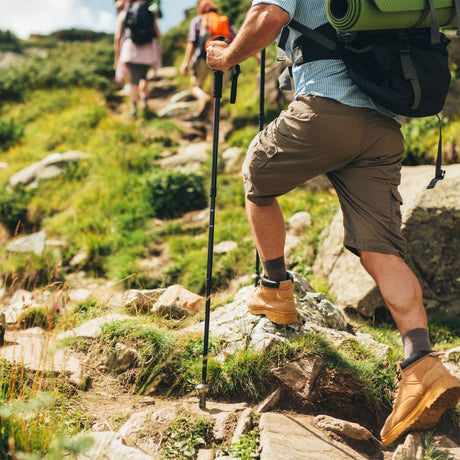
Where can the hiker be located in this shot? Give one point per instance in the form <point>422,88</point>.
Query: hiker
<point>195,54</point>
<point>333,128</point>
<point>139,54</point>
<point>121,68</point>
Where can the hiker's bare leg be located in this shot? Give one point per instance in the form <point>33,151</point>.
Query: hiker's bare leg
<point>268,229</point>
<point>197,92</point>
<point>143,89</point>
<point>134,95</point>
<point>399,288</point>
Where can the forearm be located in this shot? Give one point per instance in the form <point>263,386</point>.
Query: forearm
<point>262,25</point>
<point>188,53</point>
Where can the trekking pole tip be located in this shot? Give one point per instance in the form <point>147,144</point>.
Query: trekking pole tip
<point>202,389</point>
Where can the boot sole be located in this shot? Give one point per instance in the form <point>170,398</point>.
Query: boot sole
<point>278,318</point>
<point>427,413</point>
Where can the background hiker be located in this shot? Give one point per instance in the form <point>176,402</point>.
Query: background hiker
<point>333,128</point>
<point>203,27</point>
<point>121,68</point>
<point>137,46</point>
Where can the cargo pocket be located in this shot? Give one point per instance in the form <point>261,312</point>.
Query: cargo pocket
<point>263,147</point>
<point>396,202</point>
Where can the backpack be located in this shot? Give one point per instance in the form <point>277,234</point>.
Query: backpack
<point>155,8</point>
<point>403,70</point>
<point>212,25</point>
<point>139,23</point>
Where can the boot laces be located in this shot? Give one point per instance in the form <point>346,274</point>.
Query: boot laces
<point>398,379</point>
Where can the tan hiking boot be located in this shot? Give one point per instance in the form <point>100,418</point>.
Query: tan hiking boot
<point>425,390</point>
<point>274,300</point>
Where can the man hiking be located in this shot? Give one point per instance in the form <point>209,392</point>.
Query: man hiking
<point>333,128</point>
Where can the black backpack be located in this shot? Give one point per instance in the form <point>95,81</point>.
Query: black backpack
<point>403,70</point>
<point>139,23</point>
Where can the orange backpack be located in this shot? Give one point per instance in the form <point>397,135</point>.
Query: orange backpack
<point>211,26</point>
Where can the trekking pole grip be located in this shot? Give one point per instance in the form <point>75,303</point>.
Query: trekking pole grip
<point>218,79</point>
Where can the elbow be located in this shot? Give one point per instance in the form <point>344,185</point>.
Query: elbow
<point>273,17</point>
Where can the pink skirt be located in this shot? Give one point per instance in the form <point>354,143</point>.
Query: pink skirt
<point>148,54</point>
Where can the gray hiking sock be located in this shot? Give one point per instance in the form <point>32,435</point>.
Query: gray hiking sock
<point>275,269</point>
<point>416,341</point>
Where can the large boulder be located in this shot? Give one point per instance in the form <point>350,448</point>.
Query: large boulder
<point>431,221</point>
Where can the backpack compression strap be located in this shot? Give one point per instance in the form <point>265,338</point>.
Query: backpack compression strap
<point>439,173</point>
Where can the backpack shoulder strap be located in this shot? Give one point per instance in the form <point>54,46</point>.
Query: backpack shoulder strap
<point>314,34</point>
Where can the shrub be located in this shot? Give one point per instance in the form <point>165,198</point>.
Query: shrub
<point>13,208</point>
<point>173,193</point>
<point>10,133</point>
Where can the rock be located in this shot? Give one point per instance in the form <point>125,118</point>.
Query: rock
<point>181,96</point>
<point>232,158</point>
<point>32,348</point>
<point>300,376</point>
<point>178,302</point>
<point>243,426</point>
<point>206,454</point>
<point>343,428</point>
<point>79,295</point>
<point>177,110</point>
<point>293,437</point>
<point>20,302</point>
<point>121,358</point>
<point>34,242</point>
<point>92,329</point>
<point>299,222</point>
<point>270,401</point>
<point>166,73</point>
<point>189,157</point>
<point>49,168</point>
<point>141,425</point>
<point>141,300</point>
<point>110,445</point>
<point>430,220</point>
<point>225,246</point>
<point>412,449</point>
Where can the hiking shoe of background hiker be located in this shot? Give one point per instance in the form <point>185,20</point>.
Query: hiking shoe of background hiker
<point>275,300</point>
<point>204,104</point>
<point>425,390</point>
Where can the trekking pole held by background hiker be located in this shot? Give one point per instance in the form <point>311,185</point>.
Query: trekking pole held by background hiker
<point>256,275</point>
<point>203,387</point>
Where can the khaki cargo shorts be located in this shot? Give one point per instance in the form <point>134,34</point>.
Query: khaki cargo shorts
<point>358,149</point>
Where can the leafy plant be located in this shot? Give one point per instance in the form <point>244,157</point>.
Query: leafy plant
<point>247,447</point>
<point>185,436</point>
<point>173,192</point>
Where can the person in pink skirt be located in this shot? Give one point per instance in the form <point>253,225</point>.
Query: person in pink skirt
<point>136,59</point>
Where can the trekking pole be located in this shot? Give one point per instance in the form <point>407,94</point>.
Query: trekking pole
<point>203,387</point>
<point>256,275</point>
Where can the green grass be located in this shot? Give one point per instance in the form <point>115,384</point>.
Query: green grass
<point>37,411</point>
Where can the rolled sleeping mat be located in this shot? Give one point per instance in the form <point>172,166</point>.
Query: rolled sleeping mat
<point>353,15</point>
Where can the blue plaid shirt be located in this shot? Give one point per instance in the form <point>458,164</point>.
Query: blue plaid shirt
<point>328,77</point>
